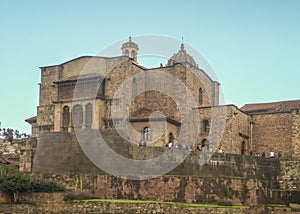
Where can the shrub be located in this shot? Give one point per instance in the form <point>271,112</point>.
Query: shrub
<point>13,182</point>
<point>43,186</point>
<point>71,196</point>
<point>225,202</point>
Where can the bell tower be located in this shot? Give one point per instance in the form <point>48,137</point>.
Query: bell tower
<point>130,49</point>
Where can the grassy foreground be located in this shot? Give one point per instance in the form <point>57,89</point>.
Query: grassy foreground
<point>179,204</point>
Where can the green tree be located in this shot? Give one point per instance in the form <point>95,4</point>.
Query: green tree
<point>10,134</point>
<point>13,182</point>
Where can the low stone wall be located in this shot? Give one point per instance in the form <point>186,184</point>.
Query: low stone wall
<point>290,175</point>
<point>52,203</point>
<point>179,189</point>
<point>105,208</point>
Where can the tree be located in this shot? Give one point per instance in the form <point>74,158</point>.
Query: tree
<point>13,182</point>
<point>11,134</point>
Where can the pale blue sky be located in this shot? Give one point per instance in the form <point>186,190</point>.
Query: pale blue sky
<point>252,45</point>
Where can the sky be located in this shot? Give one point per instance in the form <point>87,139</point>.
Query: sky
<point>253,45</point>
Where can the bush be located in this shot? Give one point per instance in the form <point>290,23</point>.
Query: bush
<point>13,182</point>
<point>42,186</point>
<point>71,196</point>
<point>224,202</point>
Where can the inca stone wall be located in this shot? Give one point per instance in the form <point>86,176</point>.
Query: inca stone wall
<point>51,203</point>
<point>251,180</point>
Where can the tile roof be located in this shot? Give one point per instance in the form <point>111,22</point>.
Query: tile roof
<point>274,107</point>
<point>31,120</point>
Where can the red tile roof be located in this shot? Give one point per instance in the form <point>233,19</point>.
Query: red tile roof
<point>274,107</point>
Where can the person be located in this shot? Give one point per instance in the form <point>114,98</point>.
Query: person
<point>197,149</point>
<point>263,154</point>
<point>170,145</point>
<point>251,153</point>
<point>272,154</point>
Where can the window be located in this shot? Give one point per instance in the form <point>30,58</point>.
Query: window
<point>171,138</point>
<point>133,54</point>
<point>88,115</point>
<point>101,89</point>
<point>134,88</point>
<point>205,125</point>
<point>77,116</point>
<point>66,118</point>
<point>243,149</point>
<point>126,52</point>
<point>146,133</point>
<point>200,96</point>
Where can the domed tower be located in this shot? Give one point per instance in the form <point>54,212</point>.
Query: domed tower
<point>182,57</point>
<point>130,49</point>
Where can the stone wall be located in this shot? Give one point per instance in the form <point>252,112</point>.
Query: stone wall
<point>252,180</point>
<point>272,132</point>
<point>64,155</point>
<point>290,174</point>
<point>53,203</point>
<point>296,133</point>
<point>229,127</point>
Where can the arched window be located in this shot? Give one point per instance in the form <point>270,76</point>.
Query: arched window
<point>146,133</point>
<point>205,125</point>
<point>88,115</point>
<point>200,96</point>
<point>126,52</point>
<point>134,87</point>
<point>133,54</point>
<point>66,118</point>
<point>77,116</point>
<point>171,137</point>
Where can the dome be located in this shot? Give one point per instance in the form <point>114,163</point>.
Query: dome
<point>182,57</point>
<point>130,44</point>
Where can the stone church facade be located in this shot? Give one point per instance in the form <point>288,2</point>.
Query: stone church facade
<point>254,128</point>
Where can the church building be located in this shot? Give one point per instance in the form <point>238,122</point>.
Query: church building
<point>80,93</point>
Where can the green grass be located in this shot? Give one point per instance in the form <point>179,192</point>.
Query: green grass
<point>179,204</point>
